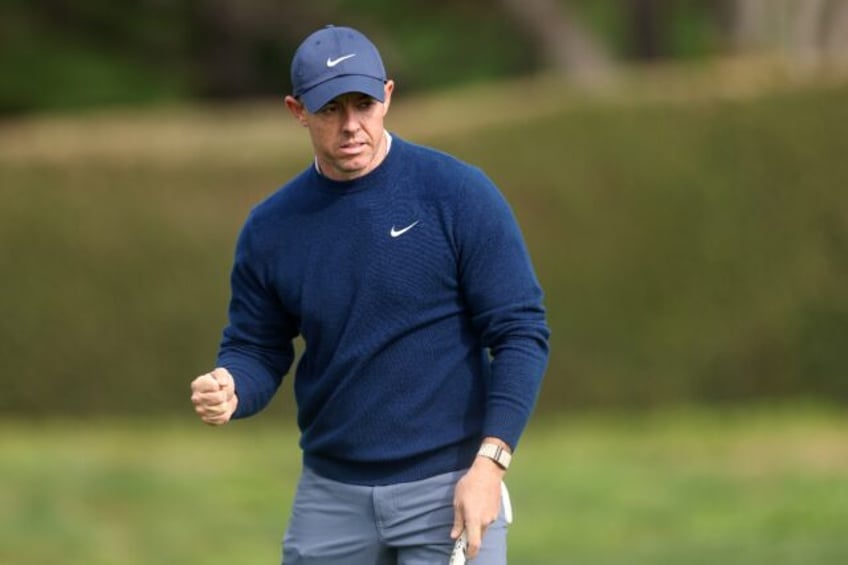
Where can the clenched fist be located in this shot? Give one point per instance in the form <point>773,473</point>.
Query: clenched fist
<point>214,396</point>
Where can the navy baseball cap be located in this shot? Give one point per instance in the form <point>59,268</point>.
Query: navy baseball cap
<point>333,61</point>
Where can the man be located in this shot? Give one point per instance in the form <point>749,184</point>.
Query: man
<point>405,273</point>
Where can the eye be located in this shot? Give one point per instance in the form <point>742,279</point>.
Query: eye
<point>366,103</point>
<point>328,109</point>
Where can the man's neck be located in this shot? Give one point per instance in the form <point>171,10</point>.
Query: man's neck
<point>387,140</point>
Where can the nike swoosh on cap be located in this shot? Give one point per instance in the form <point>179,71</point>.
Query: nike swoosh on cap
<point>333,62</point>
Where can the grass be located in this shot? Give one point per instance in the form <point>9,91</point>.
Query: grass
<point>737,486</point>
<point>689,488</point>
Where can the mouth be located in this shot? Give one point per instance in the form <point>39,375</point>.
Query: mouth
<point>352,147</point>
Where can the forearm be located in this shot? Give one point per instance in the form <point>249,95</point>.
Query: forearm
<point>505,300</point>
<point>517,371</point>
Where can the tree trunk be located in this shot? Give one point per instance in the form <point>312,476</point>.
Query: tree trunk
<point>806,33</point>
<point>810,33</point>
<point>748,24</point>
<point>836,35</point>
<point>646,29</point>
<point>567,46</point>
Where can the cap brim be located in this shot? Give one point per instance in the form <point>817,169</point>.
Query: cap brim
<point>319,95</point>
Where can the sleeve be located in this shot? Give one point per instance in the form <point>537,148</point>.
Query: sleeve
<point>506,304</point>
<point>257,345</point>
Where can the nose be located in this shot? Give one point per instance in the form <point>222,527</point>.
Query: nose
<point>350,123</point>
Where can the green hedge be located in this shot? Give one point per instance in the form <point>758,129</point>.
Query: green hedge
<point>693,251</point>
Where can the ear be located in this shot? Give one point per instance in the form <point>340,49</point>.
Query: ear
<point>388,88</point>
<point>296,109</point>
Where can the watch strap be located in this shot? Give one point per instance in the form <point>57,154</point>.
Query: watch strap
<point>496,453</point>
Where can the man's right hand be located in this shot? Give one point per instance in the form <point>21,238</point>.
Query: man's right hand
<point>214,396</point>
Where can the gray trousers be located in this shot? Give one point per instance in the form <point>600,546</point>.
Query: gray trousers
<point>335,523</point>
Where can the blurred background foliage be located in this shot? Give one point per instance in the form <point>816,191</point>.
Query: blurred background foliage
<point>67,54</point>
<point>678,167</point>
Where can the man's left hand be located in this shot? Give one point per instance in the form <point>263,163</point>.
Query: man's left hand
<point>477,501</point>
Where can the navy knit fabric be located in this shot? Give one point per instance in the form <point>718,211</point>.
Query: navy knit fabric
<point>421,315</point>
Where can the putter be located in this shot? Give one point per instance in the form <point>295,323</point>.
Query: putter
<point>461,546</point>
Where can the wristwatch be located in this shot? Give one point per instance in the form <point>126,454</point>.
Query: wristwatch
<point>496,453</point>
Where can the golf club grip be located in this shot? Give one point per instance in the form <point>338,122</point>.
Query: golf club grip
<point>458,553</point>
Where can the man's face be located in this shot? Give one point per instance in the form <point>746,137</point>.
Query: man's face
<point>347,133</point>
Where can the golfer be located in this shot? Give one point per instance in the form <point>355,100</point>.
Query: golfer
<point>405,273</point>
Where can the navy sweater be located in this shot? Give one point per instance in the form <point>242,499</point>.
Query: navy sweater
<point>422,318</point>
